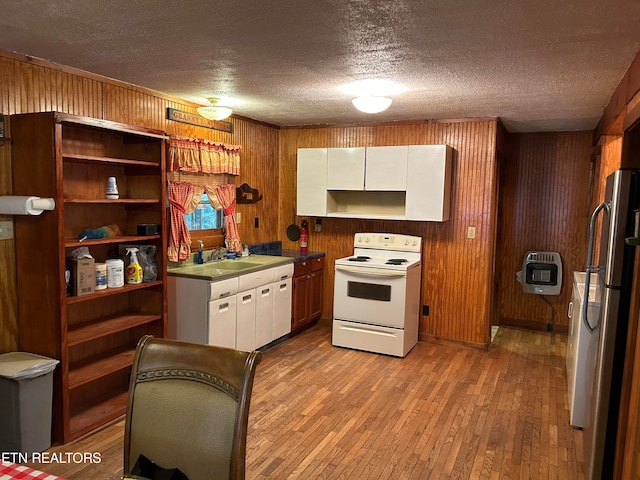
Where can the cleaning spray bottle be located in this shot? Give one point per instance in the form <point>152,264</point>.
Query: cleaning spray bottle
<point>134,270</point>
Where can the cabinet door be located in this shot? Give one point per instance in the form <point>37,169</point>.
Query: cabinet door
<point>301,288</point>
<point>386,168</point>
<point>315,295</point>
<point>222,322</point>
<point>428,182</point>
<point>282,308</point>
<point>246,320</point>
<point>345,168</point>
<point>264,315</point>
<point>312,182</point>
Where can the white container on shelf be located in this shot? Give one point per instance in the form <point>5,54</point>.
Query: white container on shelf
<point>115,273</point>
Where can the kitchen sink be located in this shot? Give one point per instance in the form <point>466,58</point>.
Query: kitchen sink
<point>235,264</point>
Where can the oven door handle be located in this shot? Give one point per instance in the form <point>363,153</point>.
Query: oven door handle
<point>372,271</point>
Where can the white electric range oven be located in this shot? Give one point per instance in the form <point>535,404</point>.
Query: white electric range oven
<point>376,298</point>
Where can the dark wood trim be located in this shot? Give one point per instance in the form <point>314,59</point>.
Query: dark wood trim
<point>394,123</point>
<point>626,90</point>
<point>630,119</point>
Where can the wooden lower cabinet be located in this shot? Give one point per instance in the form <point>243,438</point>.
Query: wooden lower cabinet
<point>308,277</point>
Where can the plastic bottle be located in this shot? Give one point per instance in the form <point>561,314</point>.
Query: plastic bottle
<point>304,235</point>
<point>134,270</point>
<point>200,256</point>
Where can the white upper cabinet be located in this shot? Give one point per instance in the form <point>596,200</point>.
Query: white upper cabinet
<point>345,168</point>
<point>386,168</point>
<point>428,182</point>
<point>312,182</point>
<point>393,183</point>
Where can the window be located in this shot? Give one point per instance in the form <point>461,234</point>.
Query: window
<point>204,217</point>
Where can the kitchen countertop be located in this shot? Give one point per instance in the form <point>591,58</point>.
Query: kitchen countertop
<point>275,248</point>
<point>223,269</point>
<point>300,257</point>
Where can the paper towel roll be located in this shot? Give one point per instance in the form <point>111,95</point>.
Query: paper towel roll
<point>22,205</point>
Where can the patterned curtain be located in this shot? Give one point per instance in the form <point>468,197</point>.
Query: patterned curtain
<point>180,200</point>
<point>184,154</point>
<point>219,158</point>
<point>226,196</point>
<point>198,155</point>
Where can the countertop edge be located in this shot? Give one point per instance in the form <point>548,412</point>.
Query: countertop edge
<point>183,271</point>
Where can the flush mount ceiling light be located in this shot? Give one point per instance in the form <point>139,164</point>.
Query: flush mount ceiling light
<point>371,104</point>
<point>216,111</point>
<point>373,94</point>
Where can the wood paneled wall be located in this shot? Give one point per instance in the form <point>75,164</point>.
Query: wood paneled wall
<point>457,272</point>
<point>28,85</point>
<point>545,205</point>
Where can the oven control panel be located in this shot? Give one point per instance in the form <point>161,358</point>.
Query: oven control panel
<point>388,241</point>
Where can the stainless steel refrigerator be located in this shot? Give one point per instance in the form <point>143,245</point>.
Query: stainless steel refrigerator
<point>615,274</point>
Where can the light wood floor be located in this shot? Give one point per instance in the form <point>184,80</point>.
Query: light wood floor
<point>443,412</point>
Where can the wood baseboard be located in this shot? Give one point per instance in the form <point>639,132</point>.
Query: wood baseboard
<point>426,338</point>
<point>537,326</point>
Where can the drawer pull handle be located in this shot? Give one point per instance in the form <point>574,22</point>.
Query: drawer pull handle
<point>225,294</point>
<point>223,306</point>
<point>246,297</point>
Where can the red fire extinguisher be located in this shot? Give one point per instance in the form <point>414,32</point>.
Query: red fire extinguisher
<point>304,235</point>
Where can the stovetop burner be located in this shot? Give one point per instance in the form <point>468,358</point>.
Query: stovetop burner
<point>360,258</point>
<point>396,261</point>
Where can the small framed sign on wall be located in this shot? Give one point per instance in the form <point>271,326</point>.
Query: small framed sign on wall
<point>195,119</point>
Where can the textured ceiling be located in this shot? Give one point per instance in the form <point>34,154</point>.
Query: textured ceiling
<point>538,65</point>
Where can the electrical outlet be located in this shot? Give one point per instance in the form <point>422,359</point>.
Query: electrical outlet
<point>425,310</point>
<point>6,230</point>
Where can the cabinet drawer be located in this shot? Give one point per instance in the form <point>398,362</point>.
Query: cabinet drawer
<point>317,264</point>
<point>283,272</point>
<point>223,288</point>
<point>256,279</point>
<point>301,268</point>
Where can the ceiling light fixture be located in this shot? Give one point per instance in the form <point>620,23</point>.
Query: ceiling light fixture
<point>216,111</point>
<point>371,104</point>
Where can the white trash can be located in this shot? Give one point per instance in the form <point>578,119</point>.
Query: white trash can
<point>26,397</point>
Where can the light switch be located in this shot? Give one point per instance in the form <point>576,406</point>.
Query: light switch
<point>471,232</point>
<point>238,217</point>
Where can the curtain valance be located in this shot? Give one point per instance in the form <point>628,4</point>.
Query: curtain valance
<point>198,155</point>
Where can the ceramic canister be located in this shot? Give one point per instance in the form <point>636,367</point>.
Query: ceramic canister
<point>115,273</point>
<point>101,276</point>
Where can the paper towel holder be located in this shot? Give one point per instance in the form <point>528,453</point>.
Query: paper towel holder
<point>25,205</point>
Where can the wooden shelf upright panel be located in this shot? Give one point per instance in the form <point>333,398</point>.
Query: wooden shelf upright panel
<point>69,158</point>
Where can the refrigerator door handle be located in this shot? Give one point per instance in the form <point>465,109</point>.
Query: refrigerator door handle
<point>591,268</point>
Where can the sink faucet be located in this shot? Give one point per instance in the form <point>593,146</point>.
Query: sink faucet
<point>217,254</point>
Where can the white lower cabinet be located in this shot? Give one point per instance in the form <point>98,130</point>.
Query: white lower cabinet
<point>282,293</point>
<point>222,323</point>
<point>264,315</point>
<point>244,312</point>
<point>246,320</point>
